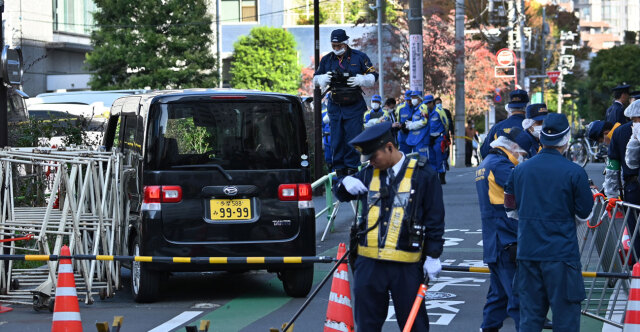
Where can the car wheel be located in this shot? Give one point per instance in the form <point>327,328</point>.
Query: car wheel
<point>297,283</point>
<point>145,284</point>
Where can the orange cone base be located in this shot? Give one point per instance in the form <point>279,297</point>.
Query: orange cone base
<point>66,326</point>
<point>5,309</point>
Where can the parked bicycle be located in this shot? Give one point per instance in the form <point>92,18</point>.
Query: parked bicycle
<point>582,149</point>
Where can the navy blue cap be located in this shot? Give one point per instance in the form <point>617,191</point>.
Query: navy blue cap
<point>338,36</point>
<point>428,98</point>
<point>415,93</point>
<point>634,94</point>
<point>518,136</point>
<point>595,129</point>
<point>623,86</point>
<point>525,141</point>
<point>373,138</point>
<point>518,99</point>
<point>554,127</point>
<point>407,95</point>
<point>376,98</point>
<point>537,112</point>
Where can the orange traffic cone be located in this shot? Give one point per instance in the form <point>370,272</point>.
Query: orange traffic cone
<point>626,244</point>
<point>339,311</point>
<point>66,311</point>
<point>632,316</point>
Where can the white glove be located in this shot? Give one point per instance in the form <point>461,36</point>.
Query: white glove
<point>322,80</point>
<point>325,119</point>
<point>353,185</point>
<point>414,125</point>
<point>361,80</point>
<point>432,267</point>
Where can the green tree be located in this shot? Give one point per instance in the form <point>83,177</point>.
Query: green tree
<point>608,69</point>
<point>266,60</point>
<point>155,43</point>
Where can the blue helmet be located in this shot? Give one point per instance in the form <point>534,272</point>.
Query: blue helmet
<point>376,98</point>
<point>428,98</point>
<point>407,95</point>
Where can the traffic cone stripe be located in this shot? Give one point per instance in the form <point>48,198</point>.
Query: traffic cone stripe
<point>65,268</point>
<point>633,305</point>
<point>632,315</point>
<point>66,291</point>
<point>68,304</point>
<point>66,316</point>
<point>340,299</point>
<point>330,326</point>
<point>342,275</point>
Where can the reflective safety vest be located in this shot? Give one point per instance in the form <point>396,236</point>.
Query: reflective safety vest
<point>385,245</point>
<point>417,136</point>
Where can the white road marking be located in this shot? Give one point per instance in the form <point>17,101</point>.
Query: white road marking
<point>176,321</point>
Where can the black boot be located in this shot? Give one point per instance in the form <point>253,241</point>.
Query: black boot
<point>442,179</point>
<point>491,329</point>
<point>548,325</point>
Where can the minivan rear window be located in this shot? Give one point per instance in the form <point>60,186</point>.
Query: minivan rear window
<point>233,134</point>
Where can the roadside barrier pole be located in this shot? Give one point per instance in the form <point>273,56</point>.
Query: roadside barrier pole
<point>422,292</point>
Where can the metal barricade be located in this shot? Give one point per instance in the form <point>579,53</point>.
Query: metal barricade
<point>605,244</point>
<point>79,203</point>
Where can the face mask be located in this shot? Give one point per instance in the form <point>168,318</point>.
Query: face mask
<point>415,102</point>
<point>536,131</point>
<point>375,106</point>
<point>340,51</point>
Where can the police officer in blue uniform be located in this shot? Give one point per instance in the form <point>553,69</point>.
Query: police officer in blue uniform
<point>438,128</point>
<point>404,111</point>
<point>400,234</point>
<point>345,71</point>
<point>598,131</point>
<point>549,192</point>
<point>326,140</point>
<point>418,125</point>
<point>532,125</point>
<point>615,112</point>
<point>376,114</point>
<point>499,232</point>
<point>518,100</point>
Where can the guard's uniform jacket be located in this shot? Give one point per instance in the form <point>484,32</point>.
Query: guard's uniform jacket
<point>418,139</point>
<point>326,140</point>
<point>514,120</point>
<point>372,117</point>
<point>549,191</point>
<point>389,259</point>
<point>498,232</point>
<point>616,153</point>
<point>346,120</point>
<point>438,128</point>
<point>404,112</point>
<point>615,113</point>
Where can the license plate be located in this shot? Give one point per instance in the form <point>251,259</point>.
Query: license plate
<point>230,209</point>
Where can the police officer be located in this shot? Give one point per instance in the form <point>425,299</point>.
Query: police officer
<point>438,129</point>
<point>326,140</point>
<point>376,114</point>
<point>518,100</point>
<point>400,236</point>
<point>418,138</point>
<point>499,232</point>
<point>404,111</point>
<point>449,133</point>
<point>346,105</point>
<point>549,192</point>
<point>389,109</point>
<point>532,124</point>
<point>598,131</point>
<point>615,112</point>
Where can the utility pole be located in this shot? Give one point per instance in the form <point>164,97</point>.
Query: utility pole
<point>4,125</point>
<point>459,116</point>
<point>511,18</point>
<point>543,32</point>
<point>317,105</point>
<point>380,7</point>
<point>416,78</point>
<point>523,54</point>
<point>560,79</point>
<point>218,42</point>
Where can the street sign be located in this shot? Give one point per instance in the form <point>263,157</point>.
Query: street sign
<point>505,57</point>
<point>567,61</point>
<point>497,98</point>
<point>11,63</point>
<point>553,76</point>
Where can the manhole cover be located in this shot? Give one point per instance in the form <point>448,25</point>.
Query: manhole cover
<point>439,295</point>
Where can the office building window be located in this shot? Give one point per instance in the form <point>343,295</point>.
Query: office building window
<point>73,16</point>
<point>239,11</point>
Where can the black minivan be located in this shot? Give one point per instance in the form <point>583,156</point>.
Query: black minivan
<point>214,173</point>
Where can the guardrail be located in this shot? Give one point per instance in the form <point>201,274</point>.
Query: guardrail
<point>183,260</point>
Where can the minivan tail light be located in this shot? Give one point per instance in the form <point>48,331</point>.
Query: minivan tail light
<point>288,192</point>
<point>171,194</point>
<point>152,194</point>
<point>304,192</point>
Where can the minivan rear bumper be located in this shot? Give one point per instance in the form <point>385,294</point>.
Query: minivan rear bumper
<point>154,243</point>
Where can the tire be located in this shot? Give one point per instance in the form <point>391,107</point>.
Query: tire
<point>577,152</point>
<point>297,283</point>
<point>145,284</point>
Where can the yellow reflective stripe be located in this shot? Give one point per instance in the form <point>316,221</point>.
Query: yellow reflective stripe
<point>615,126</point>
<point>292,259</point>
<point>389,254</point>
<point>36,257</point>
<point>405,185</point>
<point>589,274</point>
<point>143,259</point>
<point>397,214</point>
<point>375,181</point>
<point>182,259</point>
<point>496,192</point>
<point>104,257</point>
<point>510,155</point>
<point>218,260</point>
<point>374,212</point>
<point>479,269</point>
<point>255,260</point>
